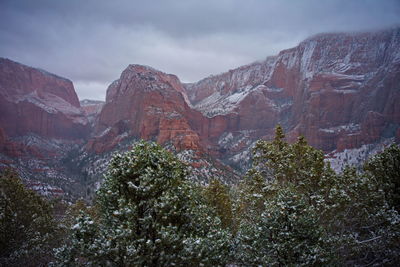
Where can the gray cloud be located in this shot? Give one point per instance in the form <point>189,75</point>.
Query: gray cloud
<point>92,41</point>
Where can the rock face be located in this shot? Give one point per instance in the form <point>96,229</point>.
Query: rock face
<point>149,104</point>
<point>145,103</point>
<point>33,101</point>
<point>91,109</point>
<point>40,123</point>
<point>339,90</point>
<point>342,91</point>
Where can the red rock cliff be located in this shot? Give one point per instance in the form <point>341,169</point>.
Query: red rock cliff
<point>33,101</point>
<point>149,104</point>
<point>339,90</point>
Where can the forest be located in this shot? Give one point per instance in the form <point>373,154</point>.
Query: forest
<point>289,209</point>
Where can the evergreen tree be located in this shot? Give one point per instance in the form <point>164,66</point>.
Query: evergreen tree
<point>357,214</point>
<point>150,215</point>
<point>27,228</point>
<point>280,204</point>
<point>287,233</point>
<point>385,168</point>
<point>217,195</point>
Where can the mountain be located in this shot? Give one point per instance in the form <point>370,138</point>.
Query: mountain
<point>91,109</point>
<point>40,122</point>
<point>149,104</point>
<point>340,90</point>
<point>35,101</point>
<point>145,103</point>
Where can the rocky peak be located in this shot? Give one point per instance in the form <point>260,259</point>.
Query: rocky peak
<point>146,78</point>
<point>33,101</point>
<point>19,79</point>
<point>149,104</point>
<point>344,53</point>
<point>337,89</point>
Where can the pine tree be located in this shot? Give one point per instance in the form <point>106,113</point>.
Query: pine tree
<point>150,215</point>
<point>217,195</point>
<point>357,214</point>
<point>27,227</point>
<point>279,206</point>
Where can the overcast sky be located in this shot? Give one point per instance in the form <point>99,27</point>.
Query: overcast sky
<point>92,41</point>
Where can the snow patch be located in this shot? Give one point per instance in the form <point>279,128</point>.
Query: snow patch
<point>356,156</point>
<point>351,127</point>
<point>52,104</point>
<point>306,59</point>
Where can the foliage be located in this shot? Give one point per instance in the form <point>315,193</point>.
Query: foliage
<point>217,196</point>
<point>150,215</point>
<point>27,228</point>
<point>361,218</point>
<point>356,211</point>
<point>385,169</point>
<point>278,206</point>
<point>286,233</point>
<point>291,209</point>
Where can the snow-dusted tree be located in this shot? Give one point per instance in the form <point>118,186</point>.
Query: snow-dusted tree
<point>385,168</point>
<point>279,206</point>
<point>356,210</point>
<point>287,233</point>
<point>283,163</point>
<point>27,227</point>
<point>365,210</point>
<point>358,215</point>
<point>150,215</point>
<point>218,198</point>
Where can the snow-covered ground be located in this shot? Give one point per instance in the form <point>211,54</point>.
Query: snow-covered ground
<point>357,156</point>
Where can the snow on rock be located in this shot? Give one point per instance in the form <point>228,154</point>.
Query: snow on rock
<point>46,189</point>
<point>357,156</point>
<point>351,127</point>
<point>339,90</point>
<point>308,51</point>
<point>35,101</point>
<point>41,122</point>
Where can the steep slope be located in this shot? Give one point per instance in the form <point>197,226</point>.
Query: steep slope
<point>91,109</point>
<point>148,104</point>
<point>40,122</point>
<point>339,90</point>
<point>33,101</point>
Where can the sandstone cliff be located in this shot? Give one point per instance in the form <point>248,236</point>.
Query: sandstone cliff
<point>33,101</point>
<point>40,123</point>
<point>149,104</point>
<point>340,90</point>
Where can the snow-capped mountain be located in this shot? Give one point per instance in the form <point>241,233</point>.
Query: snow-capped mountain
<point>340,90</point>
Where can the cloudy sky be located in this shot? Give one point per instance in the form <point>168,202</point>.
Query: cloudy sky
<point>92,41</point>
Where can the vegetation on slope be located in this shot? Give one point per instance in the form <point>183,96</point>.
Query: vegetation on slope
<point>291,208</point>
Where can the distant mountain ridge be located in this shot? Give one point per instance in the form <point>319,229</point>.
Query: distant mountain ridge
<point>341,91</point>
